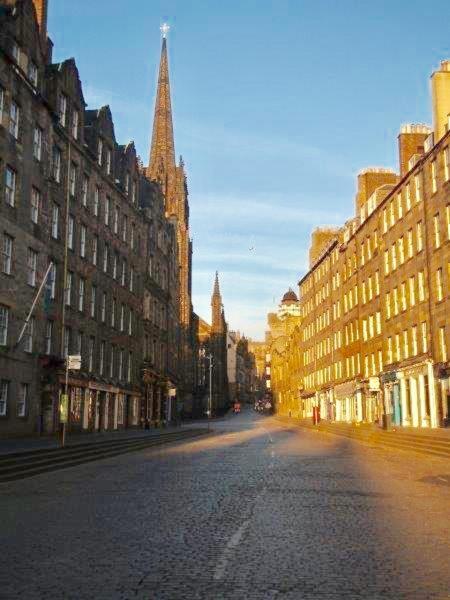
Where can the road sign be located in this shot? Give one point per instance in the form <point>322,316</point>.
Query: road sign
<point>63,408</point>
<point>74,362</point>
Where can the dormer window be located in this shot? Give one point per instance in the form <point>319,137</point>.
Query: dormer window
<point>62,110</point>
<point>75,124</point>
<point>33,72</point>
<point>100,152</point>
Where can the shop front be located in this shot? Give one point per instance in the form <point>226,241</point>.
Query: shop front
<point>371,406</point>
<point>345,402</point>
<point>443,394</point>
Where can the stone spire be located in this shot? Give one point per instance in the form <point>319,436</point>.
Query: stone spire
<point>162,151</point>
<point>216,306</point>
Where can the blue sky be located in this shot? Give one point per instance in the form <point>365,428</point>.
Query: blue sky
<point>277,105</point>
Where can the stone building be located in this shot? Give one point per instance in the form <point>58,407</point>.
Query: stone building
<point>83,224</point>
<point>212,350</point>
<point>375,327</point>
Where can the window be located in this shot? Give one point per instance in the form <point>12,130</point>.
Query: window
<point>388,305</point>
<point>127,183</point>
<point>28,335</point>
<point>133,193</point>
<point>386,262</point>
<point>62,110</point>
<point>401,250</point>
<point>22,401</point>
<point>103,309</point>
<point>31,267</point>
<point>115,261</point>
<point>378,322</point>
<point>55,221</point>
<point>437,231</point>
<point>131,279</point>
<point>399,206</point>
<point>52,281</point>
<point>408,196</point>
<point>130,322</point>
<point>124,228</point>
<point>121,363</point>
<point>447,163</point>
<point>395,298</point>
<point>389,350</point>
<point>393,257</point>
<point>439,289</point>
<point>442,344</point>
<point>96,201</point>
<point>397,347</point>
<point>14,113</point>
<point>37,143</point>
<point>447,218</point>
<point>418,187</point>
<point>81,288</point>
<point>100,152</point>
<point>113,312</point>
<point>91,353</point>
<point>419,236</point>
<point>33,72</point>
<point>130,366</point>
<point>421,285</point>
<point>414,340</point>
<point>424,336</point>
<point>132,235</point>
<point>84,190</point>
<point>385,223</point>
<point>108,161</point>
<point>105,258</point>
<point>79,343</point>
<point>111,362</point>
<point>69,282</point>
<point>102,356</point>
<point>391,213</point>
<point>73,179</point>
<point>93,300</point>
<point>83,232</point>
<point>94,249</point>
<point>4,396</point>
<point>107,209</point>
<point>10,186</point>
<point>412,290</point>
<point>7,251</point>
<point>35,204</point>
<point>124,272</point>
<point>403,296</point>
<point>377,283</point>
<point>122,317</point>
<point>70,233</point>
<point>410,243</point>
<point>4,319</point>
<point>116,219</point>
<point>75,123</point>
<point>405,344</point>
<point>56,164</point>
<point>433,177</point>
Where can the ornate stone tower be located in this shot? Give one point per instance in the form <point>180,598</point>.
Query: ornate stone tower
<point>217,315</point>
<point>163,168</point>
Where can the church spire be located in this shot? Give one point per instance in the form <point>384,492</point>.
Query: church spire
<point>162,151</point>
<point>216,306</point>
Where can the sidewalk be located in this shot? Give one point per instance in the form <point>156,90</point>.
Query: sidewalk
<point>10,445</point>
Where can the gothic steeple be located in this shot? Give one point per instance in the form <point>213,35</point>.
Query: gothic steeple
<point>216,306</point>
<point>162,151</point>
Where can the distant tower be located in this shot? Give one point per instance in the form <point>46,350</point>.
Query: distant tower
<point>216,308</point>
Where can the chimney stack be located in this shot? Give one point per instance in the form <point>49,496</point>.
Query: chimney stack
<point>411,140</point>
<point>440,91</point>
<point>41,7</point>
<point>369,180</point>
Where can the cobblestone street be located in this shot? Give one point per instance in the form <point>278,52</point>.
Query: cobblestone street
<point>259,509</point>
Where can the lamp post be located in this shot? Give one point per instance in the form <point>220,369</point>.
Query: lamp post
<point>210,391</point>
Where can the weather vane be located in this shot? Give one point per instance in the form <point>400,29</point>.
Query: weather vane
<point>164,29</point>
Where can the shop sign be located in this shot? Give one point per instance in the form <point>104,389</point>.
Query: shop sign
<point>74,362</point>
<point>374,384</point>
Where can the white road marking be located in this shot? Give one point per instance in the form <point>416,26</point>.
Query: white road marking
<point>232,543</point>
<point>442,479</point>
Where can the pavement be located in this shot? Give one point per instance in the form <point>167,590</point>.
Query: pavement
<point>258,510</point>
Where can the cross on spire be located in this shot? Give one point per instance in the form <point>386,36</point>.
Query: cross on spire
<point>165,28</point>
